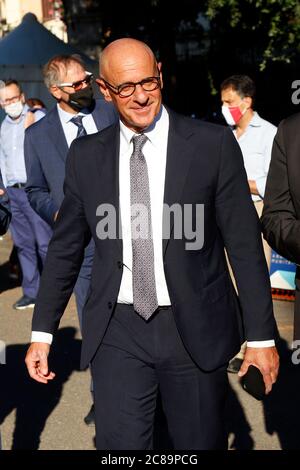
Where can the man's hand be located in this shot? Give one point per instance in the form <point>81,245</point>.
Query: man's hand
<point>37,362</point>
<point>253,187</point>
<point>2,192</point>
<point>266,360</point>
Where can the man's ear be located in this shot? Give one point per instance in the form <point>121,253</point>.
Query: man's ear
<point>248,100</point>
<point>104,89</point>
<point>159,67</point>
<point>22,98</point>
<point>56,92</point>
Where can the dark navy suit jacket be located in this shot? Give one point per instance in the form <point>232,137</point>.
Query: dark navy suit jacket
<point>204,166</point>
<point>45,150</point>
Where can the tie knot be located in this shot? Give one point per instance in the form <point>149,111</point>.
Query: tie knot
<point>77,120</point>
<point>138,142</point>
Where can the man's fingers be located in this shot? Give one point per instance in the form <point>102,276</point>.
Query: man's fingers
<point>43,366</point>
<point>270,378</point>
<point>37,363</point>
<point>34,374</point>
<point>46,378</point>
<point>38,373</point>
<point>33,370</point>
<point>273,377</point>
<point>243,369</point>
<point>268,382</point>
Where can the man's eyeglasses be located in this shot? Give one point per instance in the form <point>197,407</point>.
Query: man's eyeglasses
<point>79,84</point>
<point>127,89</point>
<point>7,101</point>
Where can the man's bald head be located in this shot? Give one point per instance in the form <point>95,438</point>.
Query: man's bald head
<point>129,65</point>
<point>124,52</point>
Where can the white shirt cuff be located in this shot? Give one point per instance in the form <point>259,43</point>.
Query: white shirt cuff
<point>261,185</point>
<point>261,344</point>
<point>41,337</point>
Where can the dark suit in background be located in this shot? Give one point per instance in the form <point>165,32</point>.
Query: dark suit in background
<point>281,214</point>
<point>45,151</point>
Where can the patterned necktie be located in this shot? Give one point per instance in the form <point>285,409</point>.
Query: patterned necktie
<point>143,277</point>
<point>77,120</point>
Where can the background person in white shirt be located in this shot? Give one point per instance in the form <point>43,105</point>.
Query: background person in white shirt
<point>29,232</point>
<point>255,137</point>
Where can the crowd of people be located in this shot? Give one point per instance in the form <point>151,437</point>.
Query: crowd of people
<point>152,309</point>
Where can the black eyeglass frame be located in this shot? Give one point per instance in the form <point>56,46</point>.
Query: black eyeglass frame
<point>118,89</point>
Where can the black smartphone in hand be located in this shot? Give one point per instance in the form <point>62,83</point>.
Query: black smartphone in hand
<point>253,383</point>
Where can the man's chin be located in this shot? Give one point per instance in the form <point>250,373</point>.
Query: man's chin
<point>144,121</point>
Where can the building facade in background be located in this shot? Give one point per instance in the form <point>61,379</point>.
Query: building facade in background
<point>48,12</point>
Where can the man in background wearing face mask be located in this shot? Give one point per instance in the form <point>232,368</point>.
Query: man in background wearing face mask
<point>30,233</point>
<point>76,114</point>
<point>255,137</point>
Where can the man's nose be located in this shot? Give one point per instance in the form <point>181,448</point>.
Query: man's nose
<point>140,94</point>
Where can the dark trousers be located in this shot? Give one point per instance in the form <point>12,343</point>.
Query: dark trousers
<point>136,359</point>
<point>82,286</point>
<point>31,237</point>
<point>81,290</point>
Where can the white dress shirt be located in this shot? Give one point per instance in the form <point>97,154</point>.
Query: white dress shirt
<point>70,129</point>
<point>155,152</point>
<point>256,146</point>
<point>12,161</point>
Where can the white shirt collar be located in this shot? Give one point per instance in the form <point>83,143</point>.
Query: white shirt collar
<point>65,116</point>
<point>256,120</point>
<point>153,132</point>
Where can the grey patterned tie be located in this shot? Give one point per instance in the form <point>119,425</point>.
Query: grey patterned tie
<point>143,277</point>
<point>77,120</point>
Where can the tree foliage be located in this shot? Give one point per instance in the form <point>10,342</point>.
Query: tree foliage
<point>274,25</point>
<point>200,42</point>
<point>268,30</point>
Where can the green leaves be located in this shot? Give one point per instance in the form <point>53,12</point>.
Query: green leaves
<point>275,25</point>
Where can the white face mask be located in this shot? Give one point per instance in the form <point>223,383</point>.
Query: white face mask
<point>227,115</point>
<point>14,110</point>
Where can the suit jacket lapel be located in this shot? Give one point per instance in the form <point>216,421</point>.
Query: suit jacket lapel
<point>178,163</point>
<point>57,134</point>
<point>179,157</point>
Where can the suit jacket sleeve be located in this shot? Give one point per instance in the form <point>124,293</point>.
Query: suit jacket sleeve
<point>37,187</point>
<point>281,226</point>
<point>65,254</point>
<point>240,229</point>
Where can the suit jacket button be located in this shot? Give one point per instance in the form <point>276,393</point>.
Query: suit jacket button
<point>120,264</point>
<point>109,305</point>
